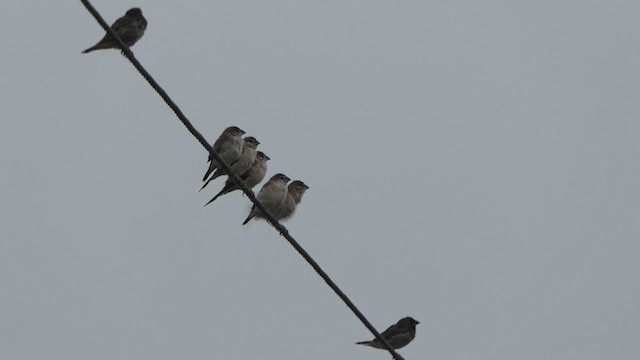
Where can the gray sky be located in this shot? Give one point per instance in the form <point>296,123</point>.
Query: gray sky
<point>472,164</point>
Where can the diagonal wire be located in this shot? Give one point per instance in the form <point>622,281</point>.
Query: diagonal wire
<point>269,217</point>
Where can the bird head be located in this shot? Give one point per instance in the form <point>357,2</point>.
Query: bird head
<point>234,131</point>
<point>408,322</point>
<point>263,156</point>
<point>134,12</point>
<point>251,142</point>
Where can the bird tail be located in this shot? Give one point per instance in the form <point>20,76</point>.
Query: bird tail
<point>215,197</point>
<point>251,215</point>
<point>94,47</point>
<point>228,187</point>
<point>368,343</point>
<point>206,175</point>
<point>212,166</point>
<point>105,43</point>
<point>205,184</point>
<point>217,174</point>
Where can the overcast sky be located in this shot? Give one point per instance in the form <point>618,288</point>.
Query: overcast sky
<point>473,164</point>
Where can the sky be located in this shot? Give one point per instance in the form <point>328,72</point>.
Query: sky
<point>472,164</point>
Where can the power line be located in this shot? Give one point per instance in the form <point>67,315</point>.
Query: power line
<point>235,178</point>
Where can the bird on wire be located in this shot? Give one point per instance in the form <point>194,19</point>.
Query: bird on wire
<point>129,29</point>
<point>242,163</point>
<point>228,146</point>
<point>251,177</point>
<point>295,190</point>
<point>271,196</point>
<point>397,335</point>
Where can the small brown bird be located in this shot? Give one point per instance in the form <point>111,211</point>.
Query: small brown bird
<point>129,29</point>
<point>271,196</point>
<point>251,177</point>
<point>295,190</point>
<point>398,335</point>
<point>229,146</point>
<point>243,163</point>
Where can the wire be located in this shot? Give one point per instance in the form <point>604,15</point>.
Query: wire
<point>235,178</point>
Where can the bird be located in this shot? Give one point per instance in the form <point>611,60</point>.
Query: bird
<point>129,29</point>
<point>271,196</point>
<point>243,163</point>
<point>397,335</point>
<point>228,146</point>
<point>251,177</point>
<point>295,190</point>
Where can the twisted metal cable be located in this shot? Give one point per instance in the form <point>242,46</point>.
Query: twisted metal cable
<point>235,178</point>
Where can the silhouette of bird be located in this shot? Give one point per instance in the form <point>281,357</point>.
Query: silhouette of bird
<point>243,163</point>
<point>271,196</point>
<point>397,335</point>
<point>228,146</point>
<point>251,177</point>
<point>129,29</point>
<point>295,190</point>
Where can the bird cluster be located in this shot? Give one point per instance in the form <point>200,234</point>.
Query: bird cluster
<point>250,165</point>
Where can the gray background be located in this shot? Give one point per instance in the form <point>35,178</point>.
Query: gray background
<point>472,164</point>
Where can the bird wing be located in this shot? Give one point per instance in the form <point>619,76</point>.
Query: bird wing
<point>392,331</point>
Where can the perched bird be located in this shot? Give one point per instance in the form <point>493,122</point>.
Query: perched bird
<point>295,190</point>
<point>129,29</point>
<point>271,196</point>
<point>398,335</point>
<point>228,146</point>
<point>251,177</point>
<point>243,163</point>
